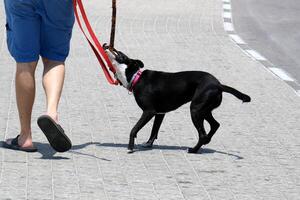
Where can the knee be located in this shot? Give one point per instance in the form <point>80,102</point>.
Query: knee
<point>26,67</point>
<point>49,64</point>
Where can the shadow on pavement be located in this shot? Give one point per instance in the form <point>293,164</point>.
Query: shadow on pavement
<point>44,149</point>
<point>139,147</point>
<point>208,151</point>
<point>81,146</point>
<point>167,147</point>
<point>48,153</point>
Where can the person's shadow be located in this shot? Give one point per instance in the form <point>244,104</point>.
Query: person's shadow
<point>48,153</point>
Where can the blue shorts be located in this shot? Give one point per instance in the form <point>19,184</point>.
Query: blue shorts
<point>39,28</point>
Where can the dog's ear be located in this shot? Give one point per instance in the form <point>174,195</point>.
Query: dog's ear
<point>139,63</point>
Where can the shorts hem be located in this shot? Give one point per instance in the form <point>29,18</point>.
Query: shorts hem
<point>26,60</point>
<point>54,58</point>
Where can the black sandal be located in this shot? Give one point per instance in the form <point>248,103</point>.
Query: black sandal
<point>14,145</point>
<point>54,133</point>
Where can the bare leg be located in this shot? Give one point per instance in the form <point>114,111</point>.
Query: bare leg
<point>25,94</point>
<point>53,80</point>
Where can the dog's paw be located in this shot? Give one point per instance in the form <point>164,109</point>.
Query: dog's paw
<point>130,151</point>
<point>192,150</point>
<point>146,145</point>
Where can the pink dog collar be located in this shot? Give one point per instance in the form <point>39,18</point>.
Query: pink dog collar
<point>135,79</point>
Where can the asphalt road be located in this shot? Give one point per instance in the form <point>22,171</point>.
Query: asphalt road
<point>271,27</point>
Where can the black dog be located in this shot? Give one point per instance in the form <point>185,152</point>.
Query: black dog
<point>157,93</point>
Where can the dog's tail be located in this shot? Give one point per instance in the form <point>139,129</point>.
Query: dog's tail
<point>236,93</point>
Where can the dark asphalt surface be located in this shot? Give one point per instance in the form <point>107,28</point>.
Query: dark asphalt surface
<point>271,27</point>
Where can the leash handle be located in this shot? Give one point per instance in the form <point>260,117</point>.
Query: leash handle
<point>113,25</point>
<point>96,46</point>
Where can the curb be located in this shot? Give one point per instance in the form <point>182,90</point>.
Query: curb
<point>278,72</point>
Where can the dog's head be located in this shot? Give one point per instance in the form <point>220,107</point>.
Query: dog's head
<point>125,66</point>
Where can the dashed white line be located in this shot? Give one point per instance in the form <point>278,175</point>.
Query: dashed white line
<point>281,74</point>
<point>237,39</point>
<point>226,6</point>
<point>228,26</point>
<point>255,55</point>
<point>227,15</point>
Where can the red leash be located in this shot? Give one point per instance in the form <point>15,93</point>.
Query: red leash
<point>95,45</point>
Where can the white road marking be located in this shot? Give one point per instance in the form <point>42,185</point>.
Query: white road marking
<point>228,26</point>
<point>237,39</point>
<point>255,55</point>
<point>281,74</point>
<point>227,15</point>
<point>227,6</point>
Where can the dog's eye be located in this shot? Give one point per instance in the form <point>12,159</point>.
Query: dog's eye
<point>119,59</point>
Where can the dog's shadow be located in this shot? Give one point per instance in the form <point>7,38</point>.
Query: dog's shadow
<point>169,148</point>
<point>211,151</point>
<point>139,147</point>
<point>48,153</point>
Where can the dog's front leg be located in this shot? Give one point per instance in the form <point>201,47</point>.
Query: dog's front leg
<point>145,118</point>
<point>156,125</point>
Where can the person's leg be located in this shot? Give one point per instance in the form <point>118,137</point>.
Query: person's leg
<point>25,93</point>
<point>23,41</point>
<point>53,80</point>
<point>56,30</point>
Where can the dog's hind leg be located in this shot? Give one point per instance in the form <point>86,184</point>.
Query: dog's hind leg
<point>198,120</point>
<point>145,118</point>
<point>156,125</point>
<point>197,114</point>
<point>201,106</point>
<point>214,125</point>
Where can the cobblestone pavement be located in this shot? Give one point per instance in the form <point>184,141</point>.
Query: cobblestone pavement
<point>254,155</point>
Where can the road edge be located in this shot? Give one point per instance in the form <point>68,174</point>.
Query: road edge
<point>253,54</point>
